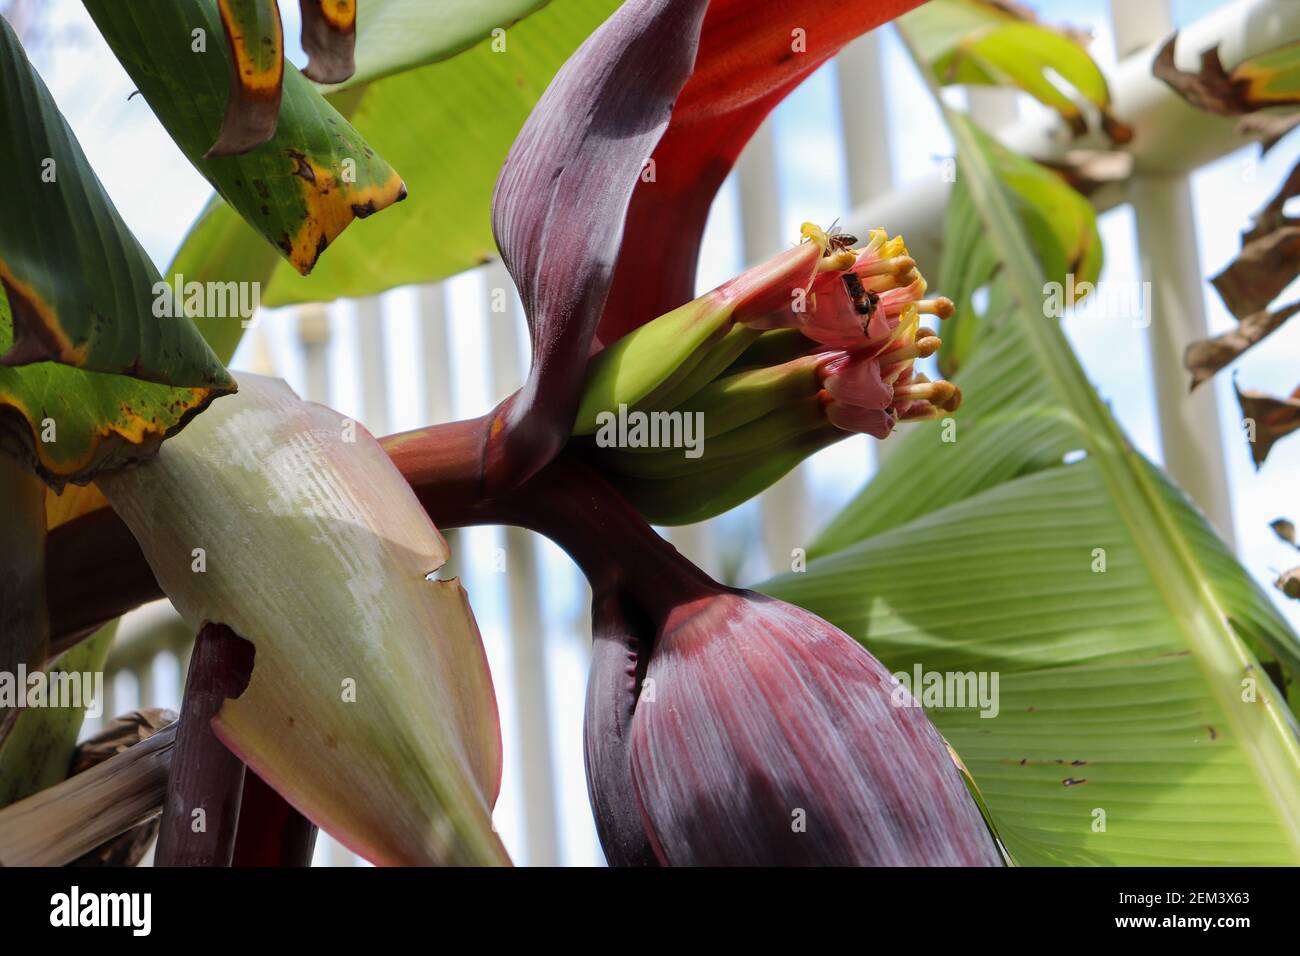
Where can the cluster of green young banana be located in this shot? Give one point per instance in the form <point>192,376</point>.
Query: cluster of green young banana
<point>707,405</point>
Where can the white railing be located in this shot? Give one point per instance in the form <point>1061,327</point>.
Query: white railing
<point>533,615</point>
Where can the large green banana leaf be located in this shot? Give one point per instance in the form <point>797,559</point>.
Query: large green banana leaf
<point>989,43</point>
<point>446,125</point>
<point>1139,718</point>
<point>90,375</point>
<point>1060,224</point>
<point>301,188</point>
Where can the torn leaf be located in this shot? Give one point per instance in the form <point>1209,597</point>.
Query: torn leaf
<point>1284,529</point>
<point>995,43</point>
<point>121,733</point>
<point>302,187</point>
<point>80,289</point>
<point>1267,420</point>
<point>40,749</point>
<point>1204,357</point>
<point>1272,79</point>
<point>1289,583</point>
<point>449,176</point>
<point>1268,128</point>
<point>1270,256</point>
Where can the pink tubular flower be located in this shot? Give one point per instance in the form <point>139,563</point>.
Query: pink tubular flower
<point>856,298</point>
<point>857,398</point>
<point>869,390</point>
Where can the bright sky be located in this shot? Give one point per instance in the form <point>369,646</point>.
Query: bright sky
<point>159,193</point>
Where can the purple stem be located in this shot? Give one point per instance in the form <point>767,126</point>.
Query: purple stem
<point>201,813</point>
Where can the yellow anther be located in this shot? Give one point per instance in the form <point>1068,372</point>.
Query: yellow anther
<point>812,232</point>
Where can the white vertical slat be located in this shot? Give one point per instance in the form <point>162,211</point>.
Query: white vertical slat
<point>759,189</point>
<point>439,396</point>
<point>1190,432</point>
<point>374,366</point>
<point>864,119</point>
<point>435,350</point>
<point>784,509</point>
<point>145,680</point>
<point>527,630</point>
<point>314,339</point>
<point>256,356</point>
<point>109,705</point>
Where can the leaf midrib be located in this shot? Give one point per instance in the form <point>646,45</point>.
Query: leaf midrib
<point>1160,542</point>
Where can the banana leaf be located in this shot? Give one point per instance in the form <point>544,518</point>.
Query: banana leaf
<point>1140,716</point>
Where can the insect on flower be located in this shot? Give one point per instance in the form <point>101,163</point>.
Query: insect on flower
<point>864,300</point>
<point>837,239</point>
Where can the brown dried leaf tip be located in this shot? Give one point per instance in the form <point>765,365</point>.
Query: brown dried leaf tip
<point>1267,420</point>
<point>329,37</point>
<point>255,39</point>
<point>129,848</point>
<point>1214,89</point>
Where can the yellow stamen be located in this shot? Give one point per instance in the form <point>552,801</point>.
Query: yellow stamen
<point>924,414</point>
<point>840,260</point>
<point>894,266</point>
<point>921,348</point>
<point>907,323</point>
<point>942,307</point>
<point>812,232</point>
<point>879,284</point>
<point>937,393</point>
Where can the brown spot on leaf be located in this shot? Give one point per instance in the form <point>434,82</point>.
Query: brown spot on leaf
<point>303,166</point>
